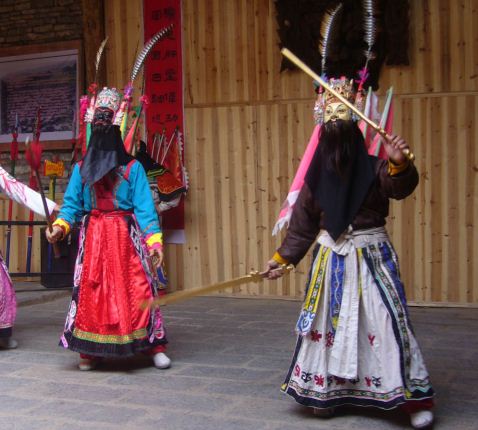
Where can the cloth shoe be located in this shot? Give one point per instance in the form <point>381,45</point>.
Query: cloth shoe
<point>8,343</point>
<point>161,360</point>
<point>87,364</point>
<point>421,419</point>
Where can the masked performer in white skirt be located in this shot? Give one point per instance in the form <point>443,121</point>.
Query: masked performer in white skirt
<point>355,344</point>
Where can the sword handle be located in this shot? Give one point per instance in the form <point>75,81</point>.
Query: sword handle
<point>56,249</point>
<point>409,154</point>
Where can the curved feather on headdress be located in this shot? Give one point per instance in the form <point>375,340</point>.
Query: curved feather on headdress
<point>370,27</point>
<point>99,53</point>
<point>147,48</point>
<point>326,30</point>
<point>370,36</point>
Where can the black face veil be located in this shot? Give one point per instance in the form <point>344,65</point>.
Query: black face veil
<point>340,174</point>
<point>105,152</point>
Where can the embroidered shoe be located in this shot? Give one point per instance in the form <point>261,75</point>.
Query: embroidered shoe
<point>421,419</point>
<point>8,343</point>
<point>161,360</point>
<point>324,412</point>
<point>87,364</point>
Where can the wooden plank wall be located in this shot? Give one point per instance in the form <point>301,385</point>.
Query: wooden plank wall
<point>18,239</point>
<point>247,125</point>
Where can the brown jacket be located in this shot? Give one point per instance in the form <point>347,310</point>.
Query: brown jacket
<point>307,217</point>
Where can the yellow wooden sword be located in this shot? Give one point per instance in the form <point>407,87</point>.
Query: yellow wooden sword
<point>301,65</point>
<point>253,276</point>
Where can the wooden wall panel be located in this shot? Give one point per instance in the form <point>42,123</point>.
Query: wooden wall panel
<point>239,183</point>
<point>18,239</point>
<point>124,28</point>
<point>247,126</point>
<point>231,55</point>
<point>434,230</point>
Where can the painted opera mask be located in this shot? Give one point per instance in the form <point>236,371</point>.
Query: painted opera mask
<point>335,111</point>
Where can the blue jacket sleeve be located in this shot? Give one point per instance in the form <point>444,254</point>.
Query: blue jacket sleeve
<point>72,208</point>
<point>143,204</point>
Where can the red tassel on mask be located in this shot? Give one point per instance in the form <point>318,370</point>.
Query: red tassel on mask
<point>81,142</point>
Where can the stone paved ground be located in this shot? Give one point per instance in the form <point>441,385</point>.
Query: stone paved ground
<point>229,359</point>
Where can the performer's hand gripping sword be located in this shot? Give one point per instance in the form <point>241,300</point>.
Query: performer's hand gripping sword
<point>301,65</point>
<point>254,276</point>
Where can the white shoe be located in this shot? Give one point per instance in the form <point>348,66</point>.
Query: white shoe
<point>324,412</point>
<point>161,360</point>
<point>421,419</point>
<point>87,364</point>
<point>8,343</point>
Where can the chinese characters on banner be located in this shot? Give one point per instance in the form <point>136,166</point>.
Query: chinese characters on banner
<point>164,88</point>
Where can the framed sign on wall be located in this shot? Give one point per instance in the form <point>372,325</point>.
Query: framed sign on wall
<point>45,78</point>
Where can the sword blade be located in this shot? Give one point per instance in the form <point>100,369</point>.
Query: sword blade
<point>193,292</point>
<point>254,276</point>
<point>301,65</point>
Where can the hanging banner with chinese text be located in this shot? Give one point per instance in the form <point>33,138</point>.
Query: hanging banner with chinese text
<point>164,115</point>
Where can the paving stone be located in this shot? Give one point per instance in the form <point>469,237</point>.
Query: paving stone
<point>10,384</point>
<point>192,357</point>
<point>65,424</point>
<point>230,357</point>
<point>276,410</point>
<point>210,346</point>
<point>31,356</point>
<point>202,402</point>
<point>91,393</point>
<point>197,316</point>
<point>15,422</point>
<point>84,412</point>
<point>228,373</point>
<point>11,369</point>
<point>12,402</point>
<point>260,349</point>
<point>203,422</point>
<point>254,390</point>
<point>59,374</point>
<point>273,363</point>
<point>255,326</point>
<point>159,380</point>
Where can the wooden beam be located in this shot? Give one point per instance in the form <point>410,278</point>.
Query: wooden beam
<point>52,145</point>
<point>93,35</point>
<point>12,51</point>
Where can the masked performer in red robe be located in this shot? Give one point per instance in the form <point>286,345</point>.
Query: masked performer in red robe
<point>120,243</point>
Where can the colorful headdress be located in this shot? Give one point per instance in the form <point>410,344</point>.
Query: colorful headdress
<point>109,98</point>
<point>333,29</point>
<point>343,86</point>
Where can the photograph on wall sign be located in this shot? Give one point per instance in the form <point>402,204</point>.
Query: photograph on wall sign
<point>46,81</point>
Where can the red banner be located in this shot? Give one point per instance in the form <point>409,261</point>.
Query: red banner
<point>164,89</point>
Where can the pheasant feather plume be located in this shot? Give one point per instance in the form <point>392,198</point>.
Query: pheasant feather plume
<point>370,27</point>
<point>99,54</point>
<point>147,48</point>
<point>326,29</point>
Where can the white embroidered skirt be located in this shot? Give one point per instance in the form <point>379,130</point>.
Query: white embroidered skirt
<point>356,344</point>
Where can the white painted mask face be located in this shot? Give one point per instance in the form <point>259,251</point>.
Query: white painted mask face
<point>335,111</point>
